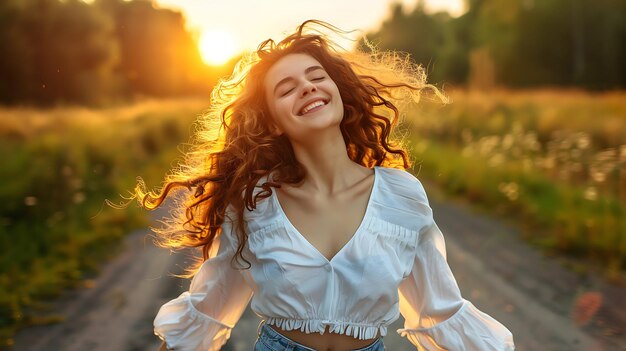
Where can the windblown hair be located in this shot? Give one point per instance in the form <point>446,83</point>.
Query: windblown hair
<point>234,148</point>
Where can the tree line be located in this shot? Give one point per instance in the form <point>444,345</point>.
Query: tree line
<point>515,43</point>
<point>71,51</point>
<point>96,53</point>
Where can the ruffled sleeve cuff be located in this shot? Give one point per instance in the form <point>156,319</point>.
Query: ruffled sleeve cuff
<point>184,328</point>
<point>469,329</point>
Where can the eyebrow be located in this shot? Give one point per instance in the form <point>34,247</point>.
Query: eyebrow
<point>306,71</point>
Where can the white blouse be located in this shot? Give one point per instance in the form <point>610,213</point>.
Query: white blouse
<point>394,264</point>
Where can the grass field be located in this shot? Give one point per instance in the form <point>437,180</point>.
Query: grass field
<point>554,161</point>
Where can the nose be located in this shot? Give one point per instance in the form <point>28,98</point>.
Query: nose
<point>308,87</point>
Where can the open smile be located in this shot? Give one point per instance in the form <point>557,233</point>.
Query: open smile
<point>313,107</point>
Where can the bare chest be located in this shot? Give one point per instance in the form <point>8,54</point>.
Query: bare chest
<point>328,224</point>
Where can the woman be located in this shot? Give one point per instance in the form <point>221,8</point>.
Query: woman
<point>302,206</point>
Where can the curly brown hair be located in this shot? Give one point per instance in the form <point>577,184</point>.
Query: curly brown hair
<point>234,148</point>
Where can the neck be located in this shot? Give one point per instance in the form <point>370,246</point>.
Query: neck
<point>329,169</point>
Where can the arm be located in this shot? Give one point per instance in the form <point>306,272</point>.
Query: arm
<point>203,317</point>
<point>436,316</point>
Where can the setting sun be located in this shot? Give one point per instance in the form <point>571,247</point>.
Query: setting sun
<point>217,47</point>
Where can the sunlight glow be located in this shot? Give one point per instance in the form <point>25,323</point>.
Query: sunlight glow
<point>217,46</point>
<point>252,26</point>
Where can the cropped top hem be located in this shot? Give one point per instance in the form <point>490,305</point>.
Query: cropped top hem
<point>468,329</point>
<point>357,330</point>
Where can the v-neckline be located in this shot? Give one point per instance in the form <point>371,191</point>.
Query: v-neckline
<point>358,230</point>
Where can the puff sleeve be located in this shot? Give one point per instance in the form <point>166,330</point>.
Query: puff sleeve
<point>202,318</point>
<point>436,316</point>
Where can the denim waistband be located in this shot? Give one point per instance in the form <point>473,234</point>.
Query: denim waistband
<point>277,341</point>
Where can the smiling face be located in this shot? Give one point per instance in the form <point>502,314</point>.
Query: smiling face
<point>301,97</point>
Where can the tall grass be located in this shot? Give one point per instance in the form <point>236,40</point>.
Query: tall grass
<point>555,161</point>
<point>58,167</point>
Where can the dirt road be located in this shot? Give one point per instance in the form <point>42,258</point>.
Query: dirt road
<point>531,294</point>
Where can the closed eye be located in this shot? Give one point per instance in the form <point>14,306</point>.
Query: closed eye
<point>312,79</point>
<point>287,92</point>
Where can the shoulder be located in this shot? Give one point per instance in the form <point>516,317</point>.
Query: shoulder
<point>401,199</point>
<point>403,183</point>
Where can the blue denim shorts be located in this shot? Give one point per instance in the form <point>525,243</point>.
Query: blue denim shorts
<point>270,340</point>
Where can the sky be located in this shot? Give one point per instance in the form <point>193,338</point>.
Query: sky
<point>249,22</point>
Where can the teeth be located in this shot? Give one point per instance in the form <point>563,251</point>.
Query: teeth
<point>312,105</point>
